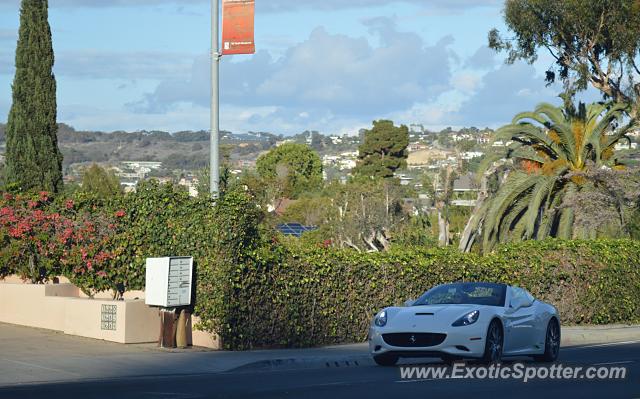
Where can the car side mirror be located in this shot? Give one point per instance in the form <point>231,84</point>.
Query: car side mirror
<point>409,302</point>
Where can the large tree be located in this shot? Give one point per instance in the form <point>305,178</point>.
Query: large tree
<point>594,42</point>
<point>363,215</point>
<point>33,158</point>
<point>100,182</point>
<point>555,154</point>
<point>292,169</point>
<point>383,151</point>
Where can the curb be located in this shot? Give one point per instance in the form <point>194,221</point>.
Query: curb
<point>585,335</point>
<point>335,362</point>
<point>571,336</point>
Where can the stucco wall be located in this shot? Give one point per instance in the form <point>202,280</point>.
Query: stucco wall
<point>59,307</point>
<point>63,307</point>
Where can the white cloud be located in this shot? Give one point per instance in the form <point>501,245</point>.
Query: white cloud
<point>466,82</point>
<point>483,58</point>
<point>94,64</point>
<point>182,116</point>
<point>338,74</point>
<point>504,92</point>
<point>270,5</point>
<point>287,5</point>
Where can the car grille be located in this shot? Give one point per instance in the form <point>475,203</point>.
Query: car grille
<point>411,340</point>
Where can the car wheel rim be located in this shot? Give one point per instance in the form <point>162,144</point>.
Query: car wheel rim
<point>495,343</point>
<point>554,339</point>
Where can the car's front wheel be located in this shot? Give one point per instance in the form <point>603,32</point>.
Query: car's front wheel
<point>387,359</point>
<point>551,343</point>
<point>494,343</point>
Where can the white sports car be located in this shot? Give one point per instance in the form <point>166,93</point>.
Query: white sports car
<point>467,320</point>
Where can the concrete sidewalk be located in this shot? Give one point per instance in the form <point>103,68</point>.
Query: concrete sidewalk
<point>30,355</point>
<point>584,335</point>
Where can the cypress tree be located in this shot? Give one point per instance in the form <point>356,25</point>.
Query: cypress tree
<point>33,159</point>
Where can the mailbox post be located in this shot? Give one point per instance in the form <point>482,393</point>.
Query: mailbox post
<point>169,287</point>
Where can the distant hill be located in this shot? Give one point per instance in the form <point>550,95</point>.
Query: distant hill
<point>185,150</point>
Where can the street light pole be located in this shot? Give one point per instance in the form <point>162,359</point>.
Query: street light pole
<point>214,172</point>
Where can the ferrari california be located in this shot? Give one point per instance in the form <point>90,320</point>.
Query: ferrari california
<point>482,321</point>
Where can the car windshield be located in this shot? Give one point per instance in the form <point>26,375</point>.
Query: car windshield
<point>464,294</point>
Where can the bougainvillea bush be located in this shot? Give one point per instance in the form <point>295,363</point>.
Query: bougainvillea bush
<point>27,237</point>
<point>42,238</point>
<point>101,244</point>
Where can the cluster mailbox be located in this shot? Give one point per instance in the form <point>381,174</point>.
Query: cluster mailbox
<point>168,281</point>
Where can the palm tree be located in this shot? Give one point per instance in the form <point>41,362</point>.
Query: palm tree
<point>552,151</point>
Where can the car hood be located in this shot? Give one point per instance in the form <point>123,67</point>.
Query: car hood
<point>428,316</point>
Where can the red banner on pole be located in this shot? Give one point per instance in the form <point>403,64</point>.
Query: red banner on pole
<point>238,26</point>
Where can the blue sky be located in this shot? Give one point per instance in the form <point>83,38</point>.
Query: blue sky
<point>327,65</point>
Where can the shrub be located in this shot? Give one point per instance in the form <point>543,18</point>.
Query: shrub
<point>230,266</point>
<point>27,236</point>
<point>102,244</point>
<point>292,297</point>
<point>256,291</point>
<point>161,220</point>
<point>42,239</point>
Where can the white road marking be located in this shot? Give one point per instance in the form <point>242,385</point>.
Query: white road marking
<point>601,345</point>
<point>610,363</point>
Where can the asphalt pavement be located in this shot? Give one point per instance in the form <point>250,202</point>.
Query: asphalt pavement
<point>356,381</point>
<point>43,364</point>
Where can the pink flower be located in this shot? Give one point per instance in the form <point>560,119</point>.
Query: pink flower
<point>32,204</point>
<point>38,215</point>
<point>102,273</point>
<point>44,196</point>
<point>121,213</point>
<point>69,204</point>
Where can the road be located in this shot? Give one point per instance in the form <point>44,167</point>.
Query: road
<point>355,381</point>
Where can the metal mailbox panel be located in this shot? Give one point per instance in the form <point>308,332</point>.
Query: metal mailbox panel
<point>169,281</point>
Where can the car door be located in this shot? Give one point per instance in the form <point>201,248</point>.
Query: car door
<point>519,322</point>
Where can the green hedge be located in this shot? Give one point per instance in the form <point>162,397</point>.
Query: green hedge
<point>283,297</point>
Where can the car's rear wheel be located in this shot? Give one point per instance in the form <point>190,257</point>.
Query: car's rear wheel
<point>387,359</point>
<point>494,343</point>
<point>551,343</point>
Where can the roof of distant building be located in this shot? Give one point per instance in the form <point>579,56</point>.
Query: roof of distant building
<point>294,229</point>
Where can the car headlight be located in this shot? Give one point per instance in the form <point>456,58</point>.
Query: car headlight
<point>467,319</point>
<point>381,319</point>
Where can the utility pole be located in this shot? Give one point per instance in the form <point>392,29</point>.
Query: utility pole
<point>214,172</point>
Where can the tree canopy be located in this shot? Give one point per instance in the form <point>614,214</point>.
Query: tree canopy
<point>101,182</point>
<point>33,158</point>
<point>593,42</point>
<point>383,151</point>
<point>294,168</point>
<point>364,215</point>
<point>555,153</point>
